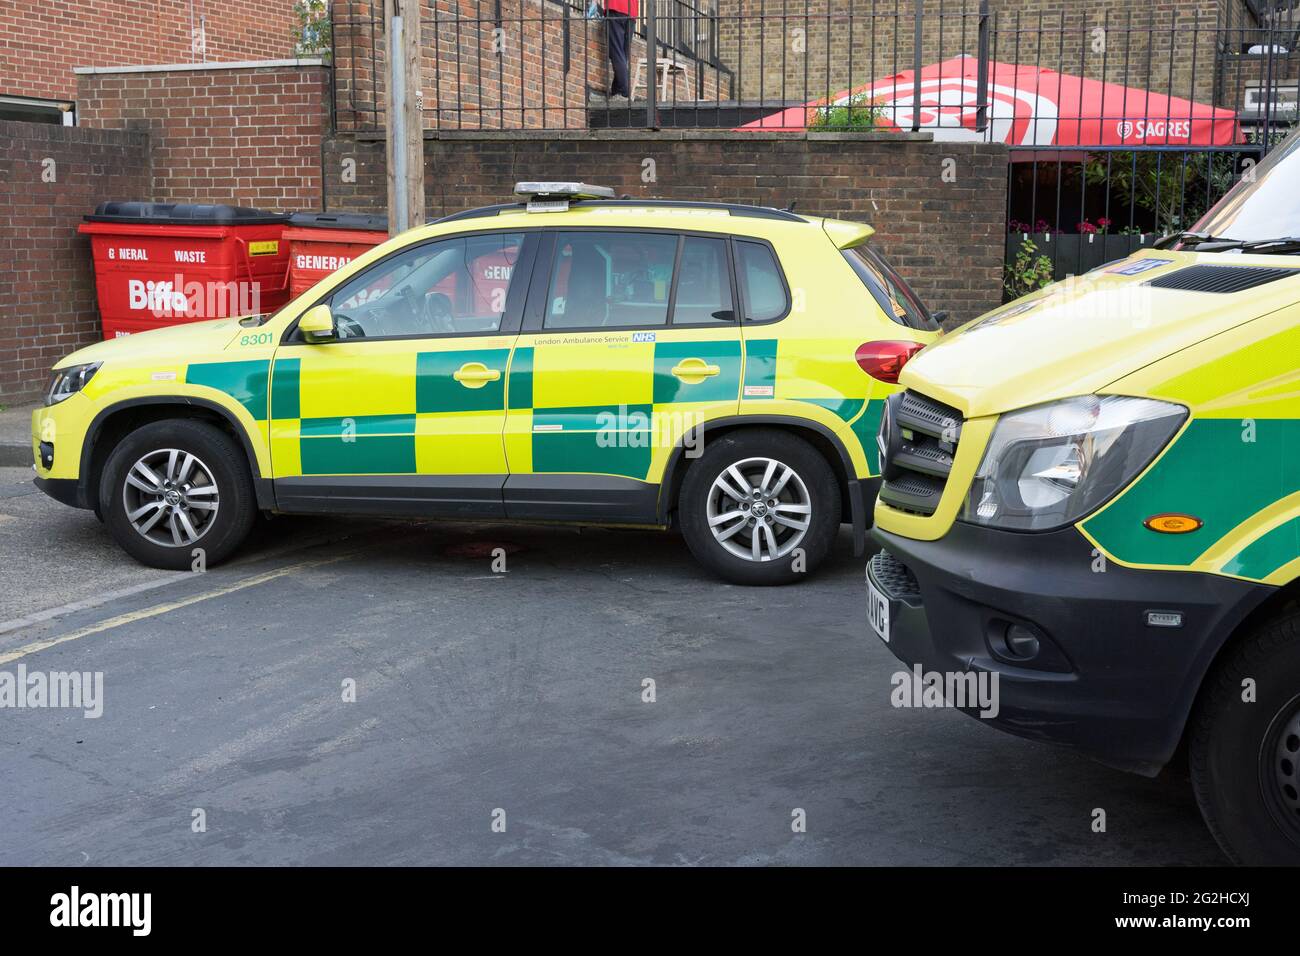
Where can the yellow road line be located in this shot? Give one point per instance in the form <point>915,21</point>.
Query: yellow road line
<point>158,609</point>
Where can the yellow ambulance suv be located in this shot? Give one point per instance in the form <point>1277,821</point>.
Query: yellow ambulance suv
<point>1093,495</point>
<point>572,357</point>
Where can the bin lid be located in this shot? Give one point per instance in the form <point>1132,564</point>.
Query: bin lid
<point>179,214</point>
<point>357,221</point>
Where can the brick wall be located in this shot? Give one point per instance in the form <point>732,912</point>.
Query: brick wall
<point>475,78</point>
<point>251,137</point>
<point>798,50</point>
<point>41,41</point>
<point>51,176</point>
<point>946,237</point>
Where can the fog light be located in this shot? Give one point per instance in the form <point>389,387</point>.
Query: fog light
<point>1021,642</point>
<point>47,454</point>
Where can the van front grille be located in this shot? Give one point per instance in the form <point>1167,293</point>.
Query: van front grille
<point>917,444</point>
<point>894,578</point>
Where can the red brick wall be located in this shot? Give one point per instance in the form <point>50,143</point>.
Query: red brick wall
<point>946,234</point>
<point>798,50</point>
<point>251,137</point>
<point>42,40</point>
<point>47,288</point>
<point>468,84</point>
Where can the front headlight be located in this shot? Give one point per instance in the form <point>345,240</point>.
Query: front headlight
<point>1049,466</point>
<point>66,382</point>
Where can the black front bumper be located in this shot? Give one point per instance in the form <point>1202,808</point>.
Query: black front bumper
<point>65,490</point>
<point>1104,680</point>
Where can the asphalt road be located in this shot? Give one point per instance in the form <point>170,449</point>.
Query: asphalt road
<point>513,698</point>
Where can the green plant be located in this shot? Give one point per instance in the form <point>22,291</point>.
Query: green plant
<point>859,113</point>
<point>1027,272</point>
<point>313,34</point>
<point>1176,188</point>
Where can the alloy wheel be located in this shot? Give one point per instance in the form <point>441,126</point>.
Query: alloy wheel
<point>759,509</point>
<point>171,497</point>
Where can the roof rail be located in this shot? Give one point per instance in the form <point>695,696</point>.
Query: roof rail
<point>735,209</point>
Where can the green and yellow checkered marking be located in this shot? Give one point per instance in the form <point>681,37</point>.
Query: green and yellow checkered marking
<point>395,413</point>
<point>570,406</point>
<point>245,382</point>
<point>574,409</point>
<point>1209,454</point>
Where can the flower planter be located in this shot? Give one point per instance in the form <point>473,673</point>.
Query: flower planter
<point>1075,253</point>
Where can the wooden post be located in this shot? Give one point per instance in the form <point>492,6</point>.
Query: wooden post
<point>404,114</point>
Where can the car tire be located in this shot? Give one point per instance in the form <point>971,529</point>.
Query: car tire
<point>1244,755</point>
<point>163,508</point>
<point>720,528</point>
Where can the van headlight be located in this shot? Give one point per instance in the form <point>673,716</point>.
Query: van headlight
<point>66,382</point>
<point>1051,465</point>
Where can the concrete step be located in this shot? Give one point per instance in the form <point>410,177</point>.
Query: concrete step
<point>16,435</point>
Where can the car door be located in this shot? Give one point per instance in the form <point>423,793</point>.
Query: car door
<point>403,412</point>
<point>630,341</point>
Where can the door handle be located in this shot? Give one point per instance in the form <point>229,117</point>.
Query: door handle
<point>475,374</point>
<point>694,370</point>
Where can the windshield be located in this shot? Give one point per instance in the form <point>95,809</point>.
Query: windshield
<point>1265,205</point>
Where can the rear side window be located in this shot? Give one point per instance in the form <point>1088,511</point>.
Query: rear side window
<point>703,283</point>
<point>761,283</point>
<point>889,290</point>
<point>608,280</point>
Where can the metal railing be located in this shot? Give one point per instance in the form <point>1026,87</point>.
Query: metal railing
<point>1213,98</point>
<point>829,64</point>
<point>1121,125</point>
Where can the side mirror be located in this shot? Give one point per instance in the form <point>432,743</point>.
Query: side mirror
<point>317,324</point>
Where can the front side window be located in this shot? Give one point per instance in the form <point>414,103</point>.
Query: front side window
<point>446,287</point>
<point>608,280</point>
<point>760,282</point>
<point>892,294</point>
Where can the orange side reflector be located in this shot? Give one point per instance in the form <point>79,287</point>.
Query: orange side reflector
<point>1173,523</point>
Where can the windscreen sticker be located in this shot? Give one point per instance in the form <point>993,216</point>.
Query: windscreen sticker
<point>1138,266</point>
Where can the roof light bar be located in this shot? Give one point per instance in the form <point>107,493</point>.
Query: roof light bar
<point>545,190</point>
<point>555,197</point>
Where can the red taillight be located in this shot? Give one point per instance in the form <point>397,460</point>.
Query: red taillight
<point>885,360</point>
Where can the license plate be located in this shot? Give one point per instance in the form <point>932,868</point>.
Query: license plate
<point>878,611</point>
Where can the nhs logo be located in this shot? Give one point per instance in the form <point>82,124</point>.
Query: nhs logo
<point>643,336</point>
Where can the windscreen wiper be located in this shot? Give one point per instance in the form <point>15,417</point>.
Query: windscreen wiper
<point>1199,238</point>
<point>1280,246</point>
<point>1283,245</point>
